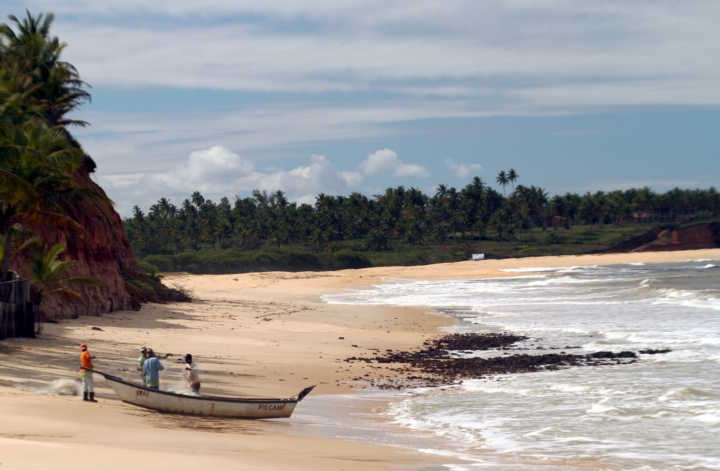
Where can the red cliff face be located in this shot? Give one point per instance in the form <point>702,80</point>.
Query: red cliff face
<point>692,237</point>
<point>100,250</point>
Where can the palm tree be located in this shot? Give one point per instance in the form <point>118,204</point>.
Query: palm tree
<point>17,231</point>
<point>502,179</point>
<point>49,274</point>
<point>15,106</point>
<point>54,85</point>
<point>37,155</point>
<point>512,176</point>
<point>36,164</point>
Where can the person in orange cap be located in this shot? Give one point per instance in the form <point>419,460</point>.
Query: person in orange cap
<point>86,366</point>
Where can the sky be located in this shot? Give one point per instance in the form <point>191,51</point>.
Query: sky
<point>336,96</point>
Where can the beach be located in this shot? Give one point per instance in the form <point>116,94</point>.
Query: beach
<point>258,334</point>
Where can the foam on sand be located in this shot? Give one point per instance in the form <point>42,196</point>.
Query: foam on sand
<point>58,387</point>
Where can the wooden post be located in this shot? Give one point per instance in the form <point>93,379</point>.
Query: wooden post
<point>29,327</point>
<point>3,307</point>
<point>17,316</point>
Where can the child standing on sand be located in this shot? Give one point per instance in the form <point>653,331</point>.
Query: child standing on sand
<point>86,366</point>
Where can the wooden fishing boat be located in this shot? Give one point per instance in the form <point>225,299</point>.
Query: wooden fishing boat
<point>209,406</point>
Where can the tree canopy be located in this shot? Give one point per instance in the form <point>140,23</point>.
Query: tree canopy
<point>408,215</point>
<point>38,155</point>
<point>30,54</point>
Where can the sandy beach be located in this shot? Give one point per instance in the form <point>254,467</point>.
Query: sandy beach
<point>252,334</point>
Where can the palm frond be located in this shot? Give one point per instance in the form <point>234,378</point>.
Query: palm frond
<point>69,292</point>
<point>31,242</point>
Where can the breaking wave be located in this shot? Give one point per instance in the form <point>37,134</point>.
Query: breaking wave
<point>655,413</point>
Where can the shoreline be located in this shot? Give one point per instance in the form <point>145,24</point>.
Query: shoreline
<point>253,334</point>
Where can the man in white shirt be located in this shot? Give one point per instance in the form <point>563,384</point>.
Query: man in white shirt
<point>192,374</point>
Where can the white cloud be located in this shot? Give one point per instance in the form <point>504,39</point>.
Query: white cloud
<point>451,49</point>
<point>123,180</point>
<point>214,162</point>
<point>211,169</point>
<point>207,57</point>
<point>436,59</point>
<point>122,140</point>
<point>636,93</point>
<point>406,61</point>
<point>352,178</point>
<point>217,171</point>
<point>463,170</point>
<point>316,177</point>
<point>386,161</point>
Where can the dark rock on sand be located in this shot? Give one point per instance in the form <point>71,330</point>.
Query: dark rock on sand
<point>604,354</point>
<point>435,366</point>
<point>475,341</point>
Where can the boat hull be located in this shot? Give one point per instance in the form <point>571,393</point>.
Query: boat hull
<point>208,406</point>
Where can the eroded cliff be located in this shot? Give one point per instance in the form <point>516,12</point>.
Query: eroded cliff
<point>100,250</point>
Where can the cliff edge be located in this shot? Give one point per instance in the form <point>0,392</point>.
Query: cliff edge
<point>689,237</point>
<point>99,249</point>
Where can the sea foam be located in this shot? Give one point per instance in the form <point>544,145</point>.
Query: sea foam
<point>611,415</point>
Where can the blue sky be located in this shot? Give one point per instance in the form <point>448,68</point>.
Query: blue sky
<point>225,96</point>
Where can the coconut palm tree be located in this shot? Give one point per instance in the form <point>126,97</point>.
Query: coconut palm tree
<point>15,106</point>
<point>502,179</point>
<point>17,231</point>
<point>37,155</point>
<point>36,164</point>
<point>54,86</point>
<point>512,176</point>
<point>49,273</point>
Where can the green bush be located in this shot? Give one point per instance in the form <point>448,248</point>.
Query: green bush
<point>349,259</point>
<point>147,267</point>
<point>354,253</point>
<point>554,238</point>
<point>162,262</point>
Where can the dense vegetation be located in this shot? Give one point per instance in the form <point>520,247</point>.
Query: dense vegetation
<point>38,155</point>
<point>401,226</point>
<point>40,162</point>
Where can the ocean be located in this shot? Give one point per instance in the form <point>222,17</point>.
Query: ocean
<point>662,412</point>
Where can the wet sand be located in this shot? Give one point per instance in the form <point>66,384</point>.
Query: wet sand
<point>252,334</point>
